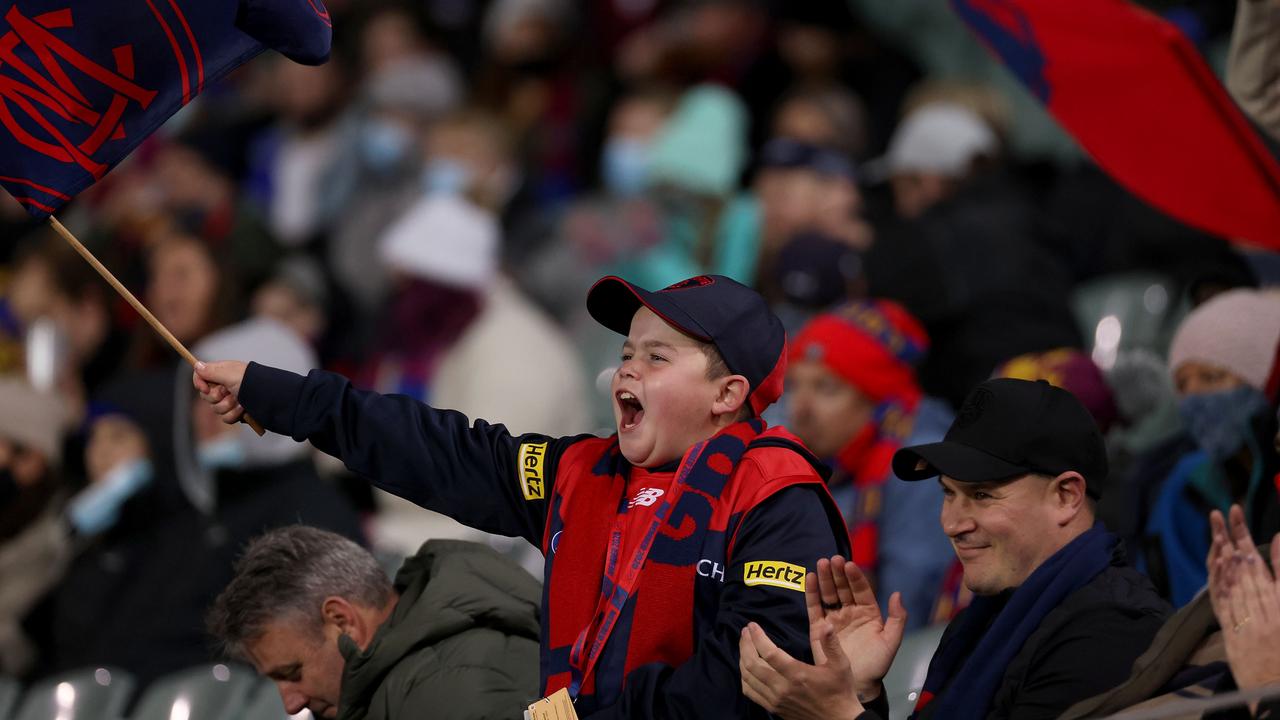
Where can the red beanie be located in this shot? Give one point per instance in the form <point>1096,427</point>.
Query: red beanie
<point>873,345</point>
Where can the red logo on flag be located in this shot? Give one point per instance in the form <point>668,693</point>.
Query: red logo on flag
<point>50,102</point>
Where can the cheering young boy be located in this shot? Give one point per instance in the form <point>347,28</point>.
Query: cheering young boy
<point>662,542</point>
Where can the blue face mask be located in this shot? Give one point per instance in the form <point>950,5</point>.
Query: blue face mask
<point>224,453</point>
<point>443,176</point>
<point>1220,421</point>
<point>384,145</point>
<point>96,508</point>
<point>624,167</point>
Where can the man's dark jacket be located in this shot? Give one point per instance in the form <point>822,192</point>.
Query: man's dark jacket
<point>461,644</point>
<point>1084,646</point>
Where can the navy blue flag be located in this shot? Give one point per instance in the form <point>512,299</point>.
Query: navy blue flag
<point>83,82</point>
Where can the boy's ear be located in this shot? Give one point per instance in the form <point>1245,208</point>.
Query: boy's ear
<point>732,395</point>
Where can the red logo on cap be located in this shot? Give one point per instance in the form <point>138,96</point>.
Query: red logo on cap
<point>700,281</point>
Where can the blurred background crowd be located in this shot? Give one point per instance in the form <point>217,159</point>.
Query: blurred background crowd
<point>426,212</point>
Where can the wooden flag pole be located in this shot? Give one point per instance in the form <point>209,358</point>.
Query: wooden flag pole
<point>137,305</point>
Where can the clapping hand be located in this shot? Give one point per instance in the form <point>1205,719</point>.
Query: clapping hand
<point>1246,600</point>
<point>853,646</point>
<point>842,596</point>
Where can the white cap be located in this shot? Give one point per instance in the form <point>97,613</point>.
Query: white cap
<point>445,239</point>
<point>941,138</point>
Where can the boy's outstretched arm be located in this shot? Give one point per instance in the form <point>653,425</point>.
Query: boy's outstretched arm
<point>434,458</point>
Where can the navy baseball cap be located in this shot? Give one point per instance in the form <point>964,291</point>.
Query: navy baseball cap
<point>711,308</point>
<point>1007,428</point>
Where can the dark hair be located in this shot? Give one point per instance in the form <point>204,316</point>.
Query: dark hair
<point>289,572</point>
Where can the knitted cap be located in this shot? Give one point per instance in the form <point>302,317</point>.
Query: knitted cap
<point>873,345</point>
<point>1237,331</point>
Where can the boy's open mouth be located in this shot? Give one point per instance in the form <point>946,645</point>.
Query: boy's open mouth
<point>632,410</point>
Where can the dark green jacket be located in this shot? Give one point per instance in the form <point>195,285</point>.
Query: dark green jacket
<point>461,644</point>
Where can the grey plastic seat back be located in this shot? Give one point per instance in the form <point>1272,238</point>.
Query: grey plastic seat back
<point>10,690</point>
<point>207,692</point>
<point>906,676</point>
<point>88,694</point>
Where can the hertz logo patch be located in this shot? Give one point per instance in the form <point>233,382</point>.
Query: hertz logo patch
<point>532,479</point>
<point>775,573</point>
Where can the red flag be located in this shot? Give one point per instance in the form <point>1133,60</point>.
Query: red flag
<point>1137,96</point>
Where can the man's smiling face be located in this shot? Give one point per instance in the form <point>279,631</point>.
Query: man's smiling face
<point>1001,531</point>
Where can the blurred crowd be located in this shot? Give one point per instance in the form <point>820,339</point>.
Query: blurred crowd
<point>426,212</point>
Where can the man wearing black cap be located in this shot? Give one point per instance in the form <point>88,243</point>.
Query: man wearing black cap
<point>1057,613</point>
<point>661,541</point>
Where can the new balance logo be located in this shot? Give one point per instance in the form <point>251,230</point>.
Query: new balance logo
<point>646,497</point>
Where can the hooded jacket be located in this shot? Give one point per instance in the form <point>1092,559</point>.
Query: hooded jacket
<point>461,644</point>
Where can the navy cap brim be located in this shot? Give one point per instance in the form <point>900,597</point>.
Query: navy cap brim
<point>613,302</point>
<point>955,460</point>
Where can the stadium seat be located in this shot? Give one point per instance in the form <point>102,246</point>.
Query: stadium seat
<point>88,694</point>
<point>9,692</point>
<point>1127,311</point>
<point>906,677</point>
<point>208,692</point>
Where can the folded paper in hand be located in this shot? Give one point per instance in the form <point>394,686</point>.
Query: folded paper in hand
<point>557,706</point>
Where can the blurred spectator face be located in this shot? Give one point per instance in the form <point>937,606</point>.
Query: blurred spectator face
<point>186,181</point>
<point>828,116</point>
<point>529,39</point>
<point>471,158</point>
<point>825,411</point>
<point>80,312</point>
<point>389,139</point>
<point>796,200</point>
<point>30,437</point>
<point>632,126</point>
<point>916,192</point>
<point>218,446</point>
<point>183,286</point>
<point>304,663</point>
<point>24,467</point>
<point>998,529</point>
<point>1197,378</point>
<point>307,97</point>
<point>114,440</point>
<point>935,148</point>
<point>722,29</point>
<point>810,50</point>
<point>32,290</point>
<point>280,301</point>
<point>389,36</point>
<point>799,119</point>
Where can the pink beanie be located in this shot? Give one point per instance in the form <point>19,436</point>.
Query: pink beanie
<point>1237,331</point>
